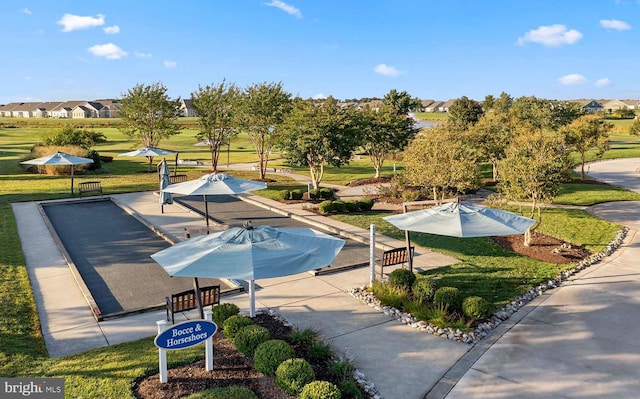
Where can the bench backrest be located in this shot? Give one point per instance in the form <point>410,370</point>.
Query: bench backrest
<point>395,256</point>
<point>173,179</point>
<point>90,186</point>
<point>186,300</point>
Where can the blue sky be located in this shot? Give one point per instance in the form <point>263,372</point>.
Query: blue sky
<point>560,49</point>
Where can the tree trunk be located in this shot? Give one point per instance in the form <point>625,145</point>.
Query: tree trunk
<point>150,164</point>
<point>582,166</point>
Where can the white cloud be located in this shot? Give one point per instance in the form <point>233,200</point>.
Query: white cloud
<point>26,11</point>
<point>319,96</point>
<point>170,64</point>
<point>289,9</point>
<point>386,70</point>
<point>109,51</point>
<point>27,77</point>
<point>604,82</point>
<point>111,30</point>
<point>71,22</point>
<point>142,55</point>
<point>572,79</point>
<point>551,36</point>
<point>614,24</point>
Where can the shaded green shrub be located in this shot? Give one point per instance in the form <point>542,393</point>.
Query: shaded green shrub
<point>423,289</point>
<point>326,207</point>
<point>339,206</point>
<point>476,307</point>
<point>269,354</point>
<point>366,204</point>
<point>402,278</point>
<point>285,194</point>
<point>230,392</point>
<point>449,297</point>
<point>319,351</point>
<point>314,194</point>
<point>353,206</point>
<point>233,324</point>
<point>248,338</point>
<point>293,374</point>
<point>410,195</point>
<point>304,337</point>
<point>325,193</point>
<point>320,390</point>
<point>349,390</point>
<point>223,311</point>
<point>296,194</point>
<point>341,369</point>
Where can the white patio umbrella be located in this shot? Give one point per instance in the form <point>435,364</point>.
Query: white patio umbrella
<point>214,184</point>
<point>248,253</point>
<point>456,219</point>
<point>165,198</point>
<point>60,159</point>
<point>151,152</point>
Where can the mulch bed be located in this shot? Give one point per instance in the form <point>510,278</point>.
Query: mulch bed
<point>544,248</point>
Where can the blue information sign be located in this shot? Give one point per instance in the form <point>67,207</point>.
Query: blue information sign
<point>186,334</point>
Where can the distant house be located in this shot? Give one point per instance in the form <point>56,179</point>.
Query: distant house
<point>614,105</point>
<point>590,106</point>
<point>424,104</point>
<point>434,106</point>
<point>186,108</point>
<point>445,107</point>
<point>631,104</point>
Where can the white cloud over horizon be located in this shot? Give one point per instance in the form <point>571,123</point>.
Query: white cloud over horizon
<point>604,82</point>
<point>72,22</point>
<point>551,36</point>
<point>319,96</point>
<point>111,30</point>
<point>289,9</point>
<point>170,64</point>
<point>109,51</point>
<point>386,70</point>
<point>572,79</point>
<point>614,24</point>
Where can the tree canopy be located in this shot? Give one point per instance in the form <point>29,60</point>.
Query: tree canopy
<point>586,133</point>
<point>465,112</point>
<point>149,115</point>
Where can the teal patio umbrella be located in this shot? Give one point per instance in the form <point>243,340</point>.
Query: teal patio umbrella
<point>59,159</point>
<point>248,253</point>
<point>165,198</point>
<point>151,152</point>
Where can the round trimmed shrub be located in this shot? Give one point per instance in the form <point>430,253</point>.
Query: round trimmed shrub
<point>325,193</point>
<point>233,324</point>
<point>353,206</point>
<point>320,390</point>
<point>423,289</point>
<point>449,297</point>
<point>270,354</point>
<point>349,389</point>
<point>293,374</point>
<point>230,392</point>
<point>366,204</point>
<point>325,207</point>
<point>476,307</point>
<point>285,194</point>
<point>314,194</point>
<point>223,311</point>
<point>339,206</point>
<point>402,278</point>
<point>296,194</point>
<point>248,338</point>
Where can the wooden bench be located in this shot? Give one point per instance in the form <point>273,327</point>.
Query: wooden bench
<point>90,187</point>
<point>173,179</point>
<point>186,300</point>
<point>395,256</point>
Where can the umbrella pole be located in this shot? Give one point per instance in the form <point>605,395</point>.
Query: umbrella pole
<point>407,239</point>
<point>196,286</point>
<point>206,212</point>
<point>71,179</point>
<point>252,298</point>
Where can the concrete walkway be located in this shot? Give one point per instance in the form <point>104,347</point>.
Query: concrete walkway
<point>577,341</point>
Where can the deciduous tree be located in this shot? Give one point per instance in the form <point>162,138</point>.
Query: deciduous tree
<point>586,133</point>
<point>317,135</point>
<point>263,107</point>
<point>149,115</point>
<point>216,105</point>
<point>465,112</point>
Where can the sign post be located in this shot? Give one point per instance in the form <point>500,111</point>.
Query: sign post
<point>184,335</point>
<point>372,254</point>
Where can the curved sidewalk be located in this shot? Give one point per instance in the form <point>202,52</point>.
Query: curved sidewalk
<point>576,341</point>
